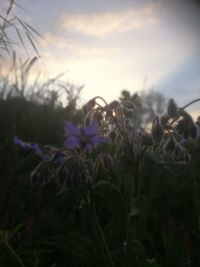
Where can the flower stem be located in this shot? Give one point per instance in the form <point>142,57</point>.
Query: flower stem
<point>190,103</point>
<point>99,97</point>
<point>102,239</point>
<point>130,257</point>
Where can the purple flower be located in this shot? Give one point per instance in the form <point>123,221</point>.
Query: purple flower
<point>84,137</point>
<point>59,158</point>
<point>36,149</point>
<point>30,147</point>
<point>18,141</point>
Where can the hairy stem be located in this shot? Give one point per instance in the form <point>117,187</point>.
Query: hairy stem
<point>190,103</point>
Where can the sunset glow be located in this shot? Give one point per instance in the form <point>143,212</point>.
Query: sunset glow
<point>113,45</point>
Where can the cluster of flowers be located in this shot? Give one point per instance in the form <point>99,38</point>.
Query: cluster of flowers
<point>106,123</point>
<point>175,129</point>
<point>62,160</point>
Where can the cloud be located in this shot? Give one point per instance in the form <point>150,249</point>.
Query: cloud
<point>71,47</point>
<point>102,24</point>
<point>58,40</point>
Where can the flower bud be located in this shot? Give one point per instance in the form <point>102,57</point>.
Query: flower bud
<point>62,174</point>
<point>172,109</point>
<point>106,162</point>
<point>113,105</point>
<point>157,130</point>
<point>89,105</point>
<point>170,145</point>
<point>128,105</point>
<point>181,154</point>
<point>98,115</point>
<point>72,173</point>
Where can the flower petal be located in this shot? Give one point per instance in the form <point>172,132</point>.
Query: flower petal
<point>72,142</point>
<point>59,158</point>
<point>36,149</point>
<point>88,148</point>
<point>95,140</point>
<point>70,129</point>
<point>16,140</point>
<point>100,139</point>
<point>92,129</point>
<point>24,145</point>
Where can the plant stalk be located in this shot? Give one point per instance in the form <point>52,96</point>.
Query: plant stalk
<point>14,254</point>
<point>102,239</point>
<point>190,103</point>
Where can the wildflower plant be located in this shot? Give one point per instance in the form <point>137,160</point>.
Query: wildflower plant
<point>116,193</point>
<point>106,163</point>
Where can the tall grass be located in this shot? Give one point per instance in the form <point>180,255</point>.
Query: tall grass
<point>12,25</point>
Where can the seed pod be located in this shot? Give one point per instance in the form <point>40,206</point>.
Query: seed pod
<point>172,109</point>
<point>157,130</point>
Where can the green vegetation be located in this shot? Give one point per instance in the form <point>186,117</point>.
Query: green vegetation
<point>92,186</point>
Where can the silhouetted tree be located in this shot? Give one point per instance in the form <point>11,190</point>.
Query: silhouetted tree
<point>144,105</point>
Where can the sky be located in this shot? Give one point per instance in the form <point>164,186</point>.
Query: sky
<point>111,45</point>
